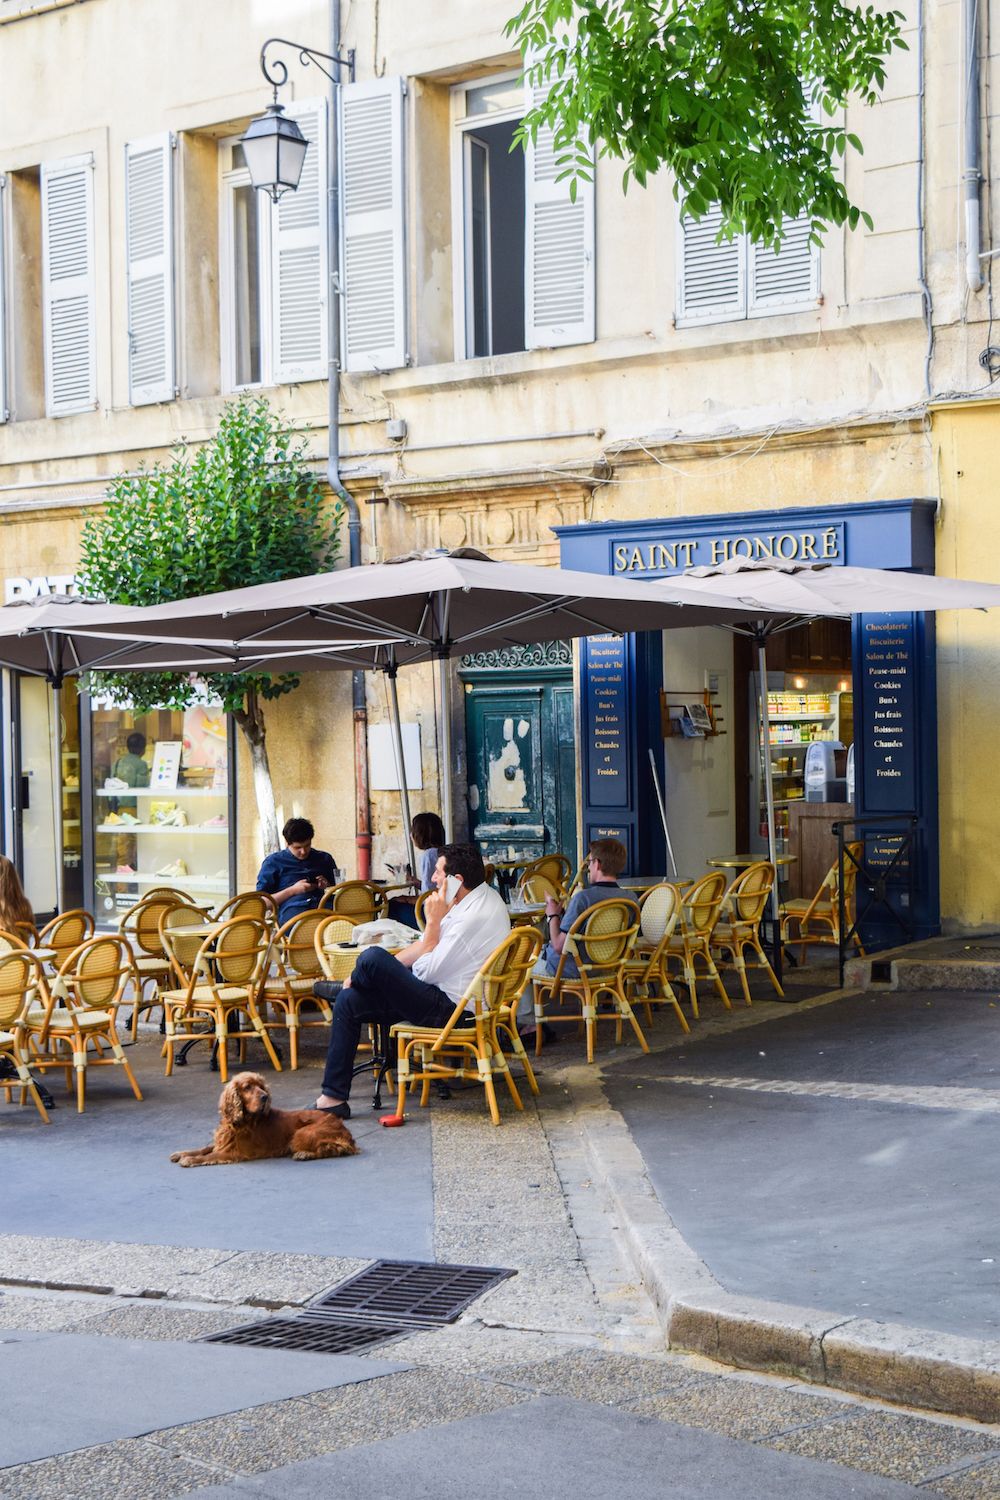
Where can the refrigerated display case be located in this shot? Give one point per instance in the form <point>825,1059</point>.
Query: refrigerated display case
<point>798,719</point>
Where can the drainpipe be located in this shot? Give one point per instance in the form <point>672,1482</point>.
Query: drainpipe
<point>971,175</point>
<point>362,812</point>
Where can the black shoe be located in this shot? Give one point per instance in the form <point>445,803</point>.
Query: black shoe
<point>342,1111</point>
<point>327,989</point>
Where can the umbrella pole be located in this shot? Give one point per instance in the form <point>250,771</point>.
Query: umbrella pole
<point>444,760</point>
<point>663,811</point>
<point>404,790</point>
<point>772,846</point>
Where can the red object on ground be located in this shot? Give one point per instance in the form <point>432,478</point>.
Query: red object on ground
<point>392,1120</point>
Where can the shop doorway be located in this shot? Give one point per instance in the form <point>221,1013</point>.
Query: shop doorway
<point>810,690</point>
<point>520,738</point>
<point>46,801</point>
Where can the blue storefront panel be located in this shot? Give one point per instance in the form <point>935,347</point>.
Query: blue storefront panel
<point>893,656</point>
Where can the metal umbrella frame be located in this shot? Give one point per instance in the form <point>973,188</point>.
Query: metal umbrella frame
<point>420,608</point>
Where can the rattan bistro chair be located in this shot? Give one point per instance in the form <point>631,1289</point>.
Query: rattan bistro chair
<point>82,1033</point>
<point>739,925</point>
<point>256,904</point>
<point>600,941</point>
<point>66,932</point>
<point>22,985</point>
<point>554,868</point>
<point>140,927</point>
<point>297,966</point>
<point>224,981</point>
<point>646,978</point>
<point>182,948</point>
<point>358,899</point>
<point>472,1049</point>
<point>701,905</point>
<point>818,920</point>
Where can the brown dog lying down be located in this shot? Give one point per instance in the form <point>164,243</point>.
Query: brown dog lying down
<point>250,1130</point>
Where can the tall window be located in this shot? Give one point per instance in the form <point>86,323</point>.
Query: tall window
<point>245,275</point>
<point>274,267</point>
<point>493,193</point>
<point>524,271</point>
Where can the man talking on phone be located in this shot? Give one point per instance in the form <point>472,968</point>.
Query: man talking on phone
<point>297,875</point>
<point>466,920</point>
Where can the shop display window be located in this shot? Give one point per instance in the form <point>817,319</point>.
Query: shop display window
<point>161,812</point>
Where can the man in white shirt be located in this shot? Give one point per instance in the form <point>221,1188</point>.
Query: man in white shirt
<point>466,919</point>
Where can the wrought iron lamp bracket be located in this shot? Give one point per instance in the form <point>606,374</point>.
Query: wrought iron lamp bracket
<point>276,73</point>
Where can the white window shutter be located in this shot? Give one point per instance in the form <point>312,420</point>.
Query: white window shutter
<point>68,286</point>
<point>299,267</point>
<point>712,281</point>
<point>149,245</point>
<point>788,279</point>
<point>4,291</point>
<point>373,262</point>
<point>559,288</point>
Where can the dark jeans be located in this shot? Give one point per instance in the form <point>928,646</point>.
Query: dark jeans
<point>381,990</point>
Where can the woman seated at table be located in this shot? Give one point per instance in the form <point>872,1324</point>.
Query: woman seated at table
<point>427,833</point>
<point>15,908</point>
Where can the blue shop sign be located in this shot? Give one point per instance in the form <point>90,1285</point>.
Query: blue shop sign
<point>894,667</point>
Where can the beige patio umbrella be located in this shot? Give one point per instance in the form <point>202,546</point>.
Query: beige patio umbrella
<point>57,637</point>
<point>423,607</point>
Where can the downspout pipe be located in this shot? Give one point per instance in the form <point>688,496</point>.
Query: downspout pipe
<point>971,167</point>
<point>359,702</point>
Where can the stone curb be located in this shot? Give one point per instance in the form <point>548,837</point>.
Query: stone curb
<point>888,1361</point>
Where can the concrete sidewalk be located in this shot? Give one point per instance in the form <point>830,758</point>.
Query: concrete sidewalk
<point>811,1189</point>
<point>556,1383</point>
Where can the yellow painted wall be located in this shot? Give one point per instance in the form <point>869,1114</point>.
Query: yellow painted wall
<point>968,546</point>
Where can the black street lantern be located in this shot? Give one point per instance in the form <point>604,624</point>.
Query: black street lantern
<point>275,149</point>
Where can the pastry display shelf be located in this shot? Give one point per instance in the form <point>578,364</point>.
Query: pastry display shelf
<point>162,792</point>
<point>185,882</point>
<point>156,828</point>
<point>816,716</point>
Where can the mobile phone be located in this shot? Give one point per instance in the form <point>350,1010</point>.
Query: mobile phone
<point>451,887</point>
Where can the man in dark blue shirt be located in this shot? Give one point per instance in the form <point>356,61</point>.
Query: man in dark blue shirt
<point>297,875</point>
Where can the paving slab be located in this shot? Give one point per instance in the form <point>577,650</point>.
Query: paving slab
<point>838,1158</point>
<point>944,1038</point>
<point>108,1390</point>
<point>561,1447</point>
<point>105,1175</point>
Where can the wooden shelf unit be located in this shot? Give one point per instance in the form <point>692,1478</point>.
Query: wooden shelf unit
<point>672,705</point>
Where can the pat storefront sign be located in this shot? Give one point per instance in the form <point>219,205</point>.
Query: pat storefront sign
<point>16,590</point>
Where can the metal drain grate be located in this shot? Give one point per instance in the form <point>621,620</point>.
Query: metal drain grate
<point>410,1292</point>
<point>312,1335</point>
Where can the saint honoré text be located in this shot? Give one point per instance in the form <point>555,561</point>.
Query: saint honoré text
<point>784,546</point>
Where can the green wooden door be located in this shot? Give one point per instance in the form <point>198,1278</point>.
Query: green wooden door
<point>522,768</point>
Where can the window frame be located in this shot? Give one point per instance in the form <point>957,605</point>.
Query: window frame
<point>750,311</point>
<point>463,125</point>
<point>230,179</point>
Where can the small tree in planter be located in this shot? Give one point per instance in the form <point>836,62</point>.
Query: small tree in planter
<point>242,509</point>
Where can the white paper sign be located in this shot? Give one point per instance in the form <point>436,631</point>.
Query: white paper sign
<point>382,770</point>
<point>166,765</point>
